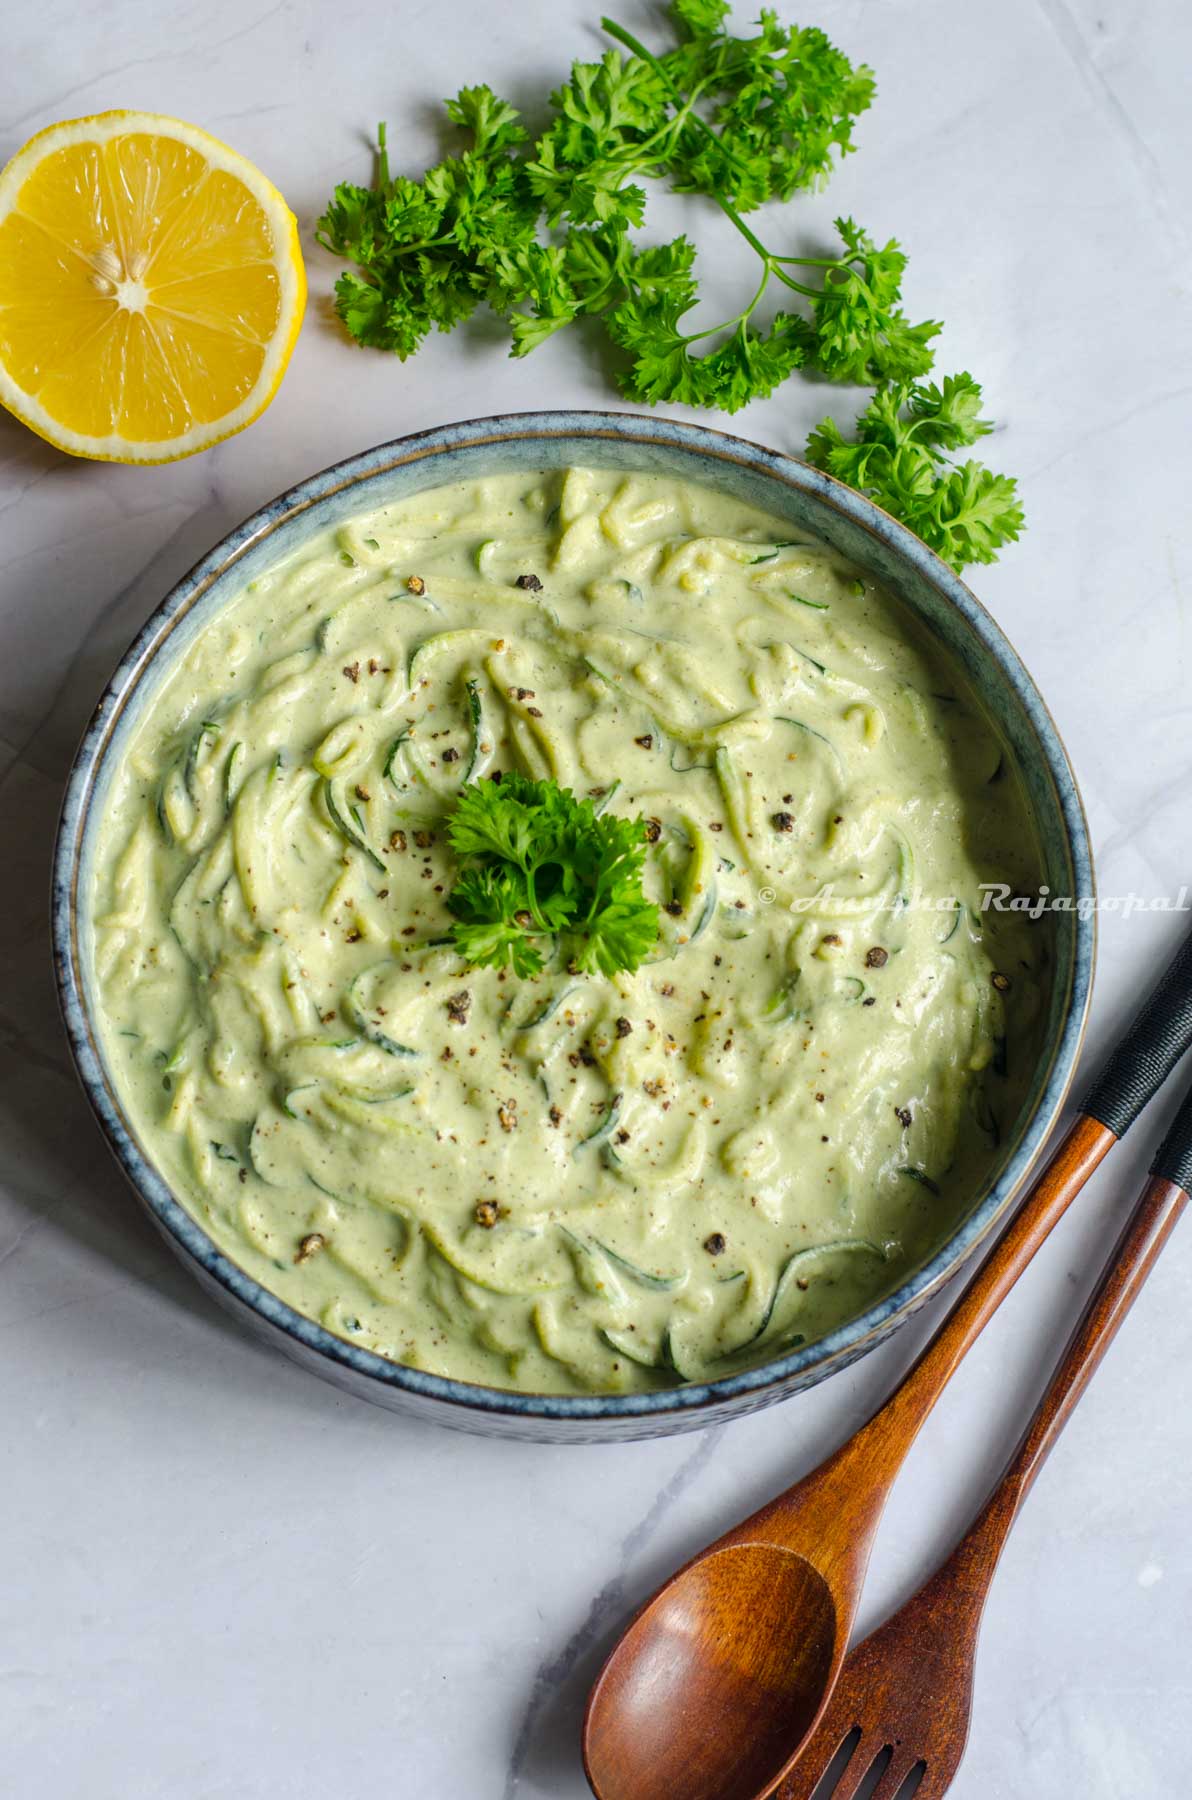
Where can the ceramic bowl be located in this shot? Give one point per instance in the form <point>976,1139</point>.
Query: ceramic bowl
<point>530,442</point>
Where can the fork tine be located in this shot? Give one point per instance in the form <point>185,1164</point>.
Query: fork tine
<point>821,1753</point>
<point>895,1774</point>
<point>821,1768</point>
<point>852,1777</point>
<point>938,1777</point>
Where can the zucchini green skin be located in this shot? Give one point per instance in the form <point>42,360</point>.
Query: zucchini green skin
<point>476,721</point>
<point>624,1343</point>
<point>367,1027</point>
<point>791,1272</point>
<point>657,1284</point>
<point>163,821</point>
<point>349,829</point>
<point>820,738</point>
<point>232,769</point>
<point>603,1130</point>
<point>548,1008</point>
<point>391,755</point>
<point>207,733</point>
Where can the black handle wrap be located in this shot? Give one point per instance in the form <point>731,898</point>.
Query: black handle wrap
<point>1159,1035</point>
<point>1173,1158</point>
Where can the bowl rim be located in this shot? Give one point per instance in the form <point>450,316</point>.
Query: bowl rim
<point>824,1355</point>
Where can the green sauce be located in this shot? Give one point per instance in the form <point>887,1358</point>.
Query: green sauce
<point>571,1182</point>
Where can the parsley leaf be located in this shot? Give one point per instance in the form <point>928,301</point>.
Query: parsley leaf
<point>860,334</point>
<point>429,252</point>
<point>541,864</point>
<point>545,233</point>
<point>783,107</point>
<point>700,17</point>
<point>487,930</point>
<point>551,294</point>
<point>744,366</point>
<point>965,512</point>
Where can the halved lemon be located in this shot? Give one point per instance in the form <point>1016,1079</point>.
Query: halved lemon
<point>151,287</point>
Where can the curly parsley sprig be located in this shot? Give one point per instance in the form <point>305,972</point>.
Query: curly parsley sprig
<point>899,456</point>
<point>540,864</point>
<point>544,233</point>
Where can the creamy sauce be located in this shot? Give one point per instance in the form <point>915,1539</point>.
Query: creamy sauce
<point>570,1182</point>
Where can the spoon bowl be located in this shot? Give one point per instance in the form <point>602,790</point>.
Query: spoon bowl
<point>716,1681</point>
<point>722,1676</point>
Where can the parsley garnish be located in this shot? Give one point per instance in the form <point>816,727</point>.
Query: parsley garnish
<point>963,511</point>
<point>544,233</point>
<point>540,864</point>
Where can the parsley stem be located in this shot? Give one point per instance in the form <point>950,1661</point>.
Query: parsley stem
<point>402,249</point>
<point>771,261</point>
<point>641,158</point>
<point>796,287</point>
<point>819,262</point>
<point>639,49</point>
<point>730,212</point>
<point>738,319</point>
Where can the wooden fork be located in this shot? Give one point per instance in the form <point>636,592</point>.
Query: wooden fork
<point>904,1697</point>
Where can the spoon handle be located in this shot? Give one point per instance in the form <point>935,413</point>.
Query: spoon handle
<point>1152,1222</point>
<point>975,1558</point>
<point>1078,1154</point>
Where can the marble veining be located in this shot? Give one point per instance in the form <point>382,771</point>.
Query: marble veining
<point>228,1582</point>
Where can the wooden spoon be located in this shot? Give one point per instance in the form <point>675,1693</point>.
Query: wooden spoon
<point>905,1695</point>
<point>713,1688</point>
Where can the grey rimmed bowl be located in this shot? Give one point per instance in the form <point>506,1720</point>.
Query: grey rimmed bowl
<point>549,440</point>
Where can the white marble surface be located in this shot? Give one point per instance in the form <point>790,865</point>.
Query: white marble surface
<point>221,1578</point>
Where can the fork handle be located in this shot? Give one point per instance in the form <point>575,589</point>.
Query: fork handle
<point>1151,1223</point>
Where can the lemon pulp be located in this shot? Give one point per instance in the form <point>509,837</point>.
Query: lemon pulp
<point>151,287</point>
